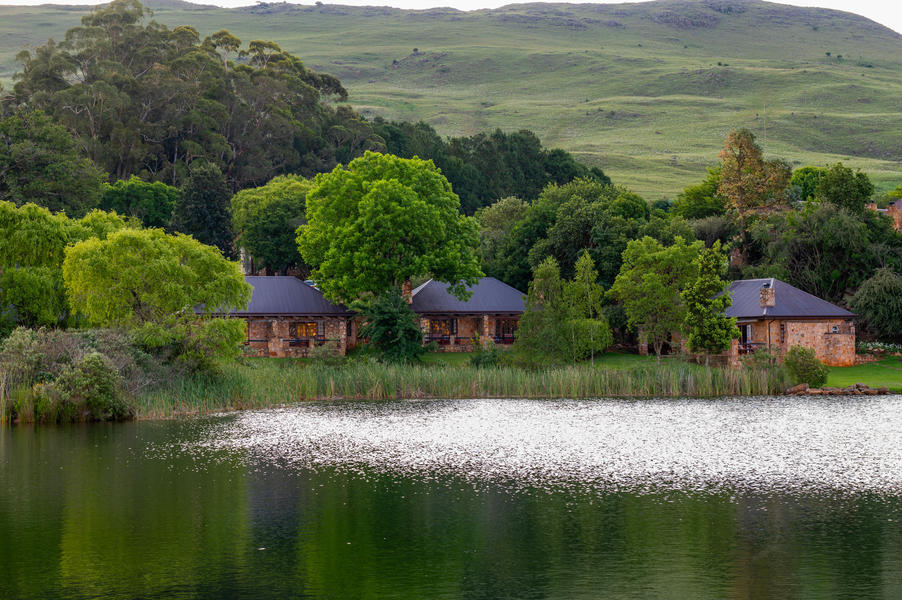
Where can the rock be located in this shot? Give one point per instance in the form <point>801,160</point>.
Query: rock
<point>798,389</point>
<point>870,392</point>
<point>815,392</point>
<point>883,390</point>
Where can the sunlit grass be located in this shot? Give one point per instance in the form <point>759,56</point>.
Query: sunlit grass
<point>884,373</point>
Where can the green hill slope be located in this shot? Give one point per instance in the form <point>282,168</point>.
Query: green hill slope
<point>646,91</point>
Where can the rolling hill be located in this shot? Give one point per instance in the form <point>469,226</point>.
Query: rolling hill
<point>646,91</point>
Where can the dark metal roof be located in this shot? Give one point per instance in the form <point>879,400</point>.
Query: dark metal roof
<point>490,296</point>
<point>280,295</point>
<point>790,302</point>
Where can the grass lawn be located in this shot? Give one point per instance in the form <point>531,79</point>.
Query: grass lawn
<point>885,373</point>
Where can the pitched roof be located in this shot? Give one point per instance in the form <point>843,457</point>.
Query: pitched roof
<point>490,296</point>
<point>286,295</point>
<point>790,302</point>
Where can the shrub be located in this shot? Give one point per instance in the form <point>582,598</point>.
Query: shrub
<point>391,327</point>
<point>487,355</point>
<point>90,390</point>
<point>804,367</point>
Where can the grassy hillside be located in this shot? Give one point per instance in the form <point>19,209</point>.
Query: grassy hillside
<point>646,91</point>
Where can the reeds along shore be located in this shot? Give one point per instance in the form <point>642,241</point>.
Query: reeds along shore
<point>260,383</point>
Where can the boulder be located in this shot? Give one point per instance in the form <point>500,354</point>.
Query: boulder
<point>798,389</point>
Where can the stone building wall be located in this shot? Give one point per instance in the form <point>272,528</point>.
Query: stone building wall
<point>271,337</point>
<point>834,349</point>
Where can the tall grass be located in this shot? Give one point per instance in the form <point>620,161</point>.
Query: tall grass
<point>265,383</point>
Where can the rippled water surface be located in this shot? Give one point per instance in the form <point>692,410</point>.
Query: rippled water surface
<point>738,498</point>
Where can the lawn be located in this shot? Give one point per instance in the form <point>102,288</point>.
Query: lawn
<point>885,373</point>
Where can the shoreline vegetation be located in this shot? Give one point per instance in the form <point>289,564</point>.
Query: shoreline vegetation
<point>270,383</point>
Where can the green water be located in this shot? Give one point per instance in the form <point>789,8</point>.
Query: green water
<point>131,511</point>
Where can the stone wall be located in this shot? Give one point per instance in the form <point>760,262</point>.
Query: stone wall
<point>834,349</point>
<point>271,337</point>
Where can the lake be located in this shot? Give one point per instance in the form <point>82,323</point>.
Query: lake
<point>479,499</point>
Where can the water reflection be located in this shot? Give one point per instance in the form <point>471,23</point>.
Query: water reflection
<point>259,506</point>
<point>761,445</point>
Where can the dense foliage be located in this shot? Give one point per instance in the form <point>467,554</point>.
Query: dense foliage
<point>266,218</point>
<point>708,329</point>
<point>584,215</point>
<point>385,220</point>
<point>203,210</point>
<point>146,100</point>
<point>151,203</point>
<point>138,276</point>
<point>650,284</point>
<point>804,367</point>
<point>32,245</point>
<point>41,163</point>
<point>391,327</point>
<point>878,304</point>
<point>563,319</point>
<point>485,167</point>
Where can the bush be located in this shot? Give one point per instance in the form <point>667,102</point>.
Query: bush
<point>804,367</point>
<point>391,327</point>
<point>88,391</point>
<point>487,356</point>
<point>52,375</point>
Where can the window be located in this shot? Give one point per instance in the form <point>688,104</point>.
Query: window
<point>505,328</point>
<point>306,329</point>
<point>442,327</point>
<point>782,332</point>
<point>835,329</point>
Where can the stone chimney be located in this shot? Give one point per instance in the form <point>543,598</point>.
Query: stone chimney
<point>407,291</point>
<point>768,295</point>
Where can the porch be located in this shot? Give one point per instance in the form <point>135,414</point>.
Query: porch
<point>465,332</point>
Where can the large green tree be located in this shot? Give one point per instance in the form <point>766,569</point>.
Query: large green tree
<point>145,275</point>
<point>878,303</point>
<point>143,99</point>
<point>587,327</point>
<point>701,200</point>
<point>844,188</point>
<point>748,181</point>
<point>40,163</point>
<point>563,321</point>
<point>385,220</point>
<point>649,286</point>
<point>203,208</point>
<point>152,203</point>
<point>486,166</point>
<point>705,324</point>
<point>32,246</point>
<point>266,218</point>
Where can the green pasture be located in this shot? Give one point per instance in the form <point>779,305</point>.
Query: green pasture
<point>646,91</point>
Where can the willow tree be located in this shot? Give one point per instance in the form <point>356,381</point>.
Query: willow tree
<point>383,221</point>
<point>748,182</point>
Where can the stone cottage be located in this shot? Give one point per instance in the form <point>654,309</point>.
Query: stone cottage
<point>287,317</point>
<point>492,313</point>
<point>773,314</point>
